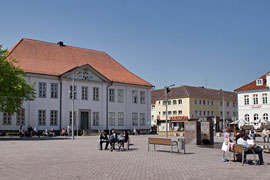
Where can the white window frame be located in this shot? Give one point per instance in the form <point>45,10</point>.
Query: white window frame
<point>111,94</point>
<point>54,90</point>
<point>95,94</point>
<point>42,117</point>
<point>112,118</point>
<point>135,96</point>
<point>53,117</point>
<point>95,118</point>
<point>20,121</point>
<point>134,119</point>
<point>7,119</point>
<point>120,95</point>
<point>121,120</point>
<point>142,119</point>
<point>42,88</point>
<point>84,93</point>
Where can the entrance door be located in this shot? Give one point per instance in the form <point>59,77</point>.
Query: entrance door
<point>84,120</point>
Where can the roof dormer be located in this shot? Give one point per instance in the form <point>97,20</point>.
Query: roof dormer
<point>259,82</point>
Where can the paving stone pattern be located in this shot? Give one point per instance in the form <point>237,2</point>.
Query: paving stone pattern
<point>80,159</point>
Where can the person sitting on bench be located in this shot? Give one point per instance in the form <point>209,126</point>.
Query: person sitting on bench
<point>112,139</point>
<point>250,148</point>
<point>103,138</point>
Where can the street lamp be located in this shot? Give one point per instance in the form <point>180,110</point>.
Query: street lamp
<point>167,90</point>
<point>72,114</point>
<point>223,106</point>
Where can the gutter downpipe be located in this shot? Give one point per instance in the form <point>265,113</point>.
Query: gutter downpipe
<point>60,105</point>
<point>107,104</point>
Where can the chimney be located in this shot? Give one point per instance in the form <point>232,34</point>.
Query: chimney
<point>61,43</point>
<point>268,79</point>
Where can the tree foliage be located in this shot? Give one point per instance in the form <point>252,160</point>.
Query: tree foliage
<point>14,89</point>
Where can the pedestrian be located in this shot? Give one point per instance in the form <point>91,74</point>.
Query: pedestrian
<point>103,138</point>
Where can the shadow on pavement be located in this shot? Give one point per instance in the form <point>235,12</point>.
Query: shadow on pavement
<point>35,139</point>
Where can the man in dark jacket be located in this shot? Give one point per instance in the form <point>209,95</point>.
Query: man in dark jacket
<point>112,139</point>
<point>103,138</point>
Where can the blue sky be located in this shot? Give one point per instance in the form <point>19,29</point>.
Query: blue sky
<point>165,42</point>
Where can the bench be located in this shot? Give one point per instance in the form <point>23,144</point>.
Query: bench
<point>163,141</point>
<point>12,134</point>
<point>238,148</point>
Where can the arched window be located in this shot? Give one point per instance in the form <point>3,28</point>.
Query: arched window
<point>256,117</point>
<point>247,117</point>
<point>265,116</point>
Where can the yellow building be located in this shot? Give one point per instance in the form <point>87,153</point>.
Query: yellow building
<point>187,102</point>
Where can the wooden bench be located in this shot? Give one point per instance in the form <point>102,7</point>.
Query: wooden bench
<point>12,134</point>
<point>163,141</point>
<point>238,148</point>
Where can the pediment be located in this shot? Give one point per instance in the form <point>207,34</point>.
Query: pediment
<point>86,73</point>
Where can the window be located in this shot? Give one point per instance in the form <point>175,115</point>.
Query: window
<point>259,82</point>
<point>169,113</point>
<point>200,113</point>
<point>70,118</point>
<point>54,90</point>
<point>84,93</point>
<point>179,101</point>
<point>228,112</point>
<point>208,103</point>
<point>120,119</point>
<point>6,118</point>
<point>54,115</point>
<point>95,118</point>
<point>112,118</point>
<point>221,103</point>
<point>175,113</point>
<point>246,97</point>
<point>264,98</point>
<point>212,103</point>
<point>164,113</point>
<point>42,90</point>
<point>196,112</point>
<point>111,95</point>
<point>134,119</point>
<point>208,113</point>
<point>203,102</point>
<point>41,117</point>
<point>195,101</point>
<point>142,119</point>
<point>221,113</point>
<point>255,98</point>
<point>153,107</point>
<point>204,113</point>
<point>95,94</point>
<point>174,102</point>
<point>169,102</point>
<point>134,96</point>
<point>256,116</point>
<point>180,113</point>
<point>265,116</point>
<point>142,97</point>
<point>164,103</point>
<point>228,103</point>
<point>120,95</point>
<point>200,101</point>
<point>247,117</point>
<point>20,117</point>
<point>233,104</point>
<point>74,92</point>
<point>212,113</point>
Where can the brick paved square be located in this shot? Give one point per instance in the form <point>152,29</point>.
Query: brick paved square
<point>81,159</point>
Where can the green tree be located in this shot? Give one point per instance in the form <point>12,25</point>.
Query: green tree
<point>14,89</point>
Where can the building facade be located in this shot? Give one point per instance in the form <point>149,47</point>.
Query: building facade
<point>187,102</point>
<point>101,93</point>
<point>253,102</point>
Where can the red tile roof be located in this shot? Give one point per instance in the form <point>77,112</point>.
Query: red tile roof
<point>52,59</point>
<point>194,92</point>
<point>252,85</point>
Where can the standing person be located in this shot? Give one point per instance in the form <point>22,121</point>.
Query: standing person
<point>36,131</point>
<point>252,134</point>
<point>225,145</point>
<point>21,131</point>
<point>250,148</point>
<point>112,139</point>
<point>103,138</point>
<point>265,134</point>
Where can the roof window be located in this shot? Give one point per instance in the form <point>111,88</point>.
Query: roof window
<point>259,82</point>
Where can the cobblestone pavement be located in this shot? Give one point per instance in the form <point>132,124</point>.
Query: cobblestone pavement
<point>80,159</point>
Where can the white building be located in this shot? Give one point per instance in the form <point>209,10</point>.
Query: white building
<point>106,94</point>
<point>253,102</point>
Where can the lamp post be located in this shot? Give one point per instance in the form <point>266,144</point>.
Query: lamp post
<point>223,106</point>
<point>72,114</point>
<point>166,89</point>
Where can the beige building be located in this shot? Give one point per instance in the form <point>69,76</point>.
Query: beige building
<point>187,102</point>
